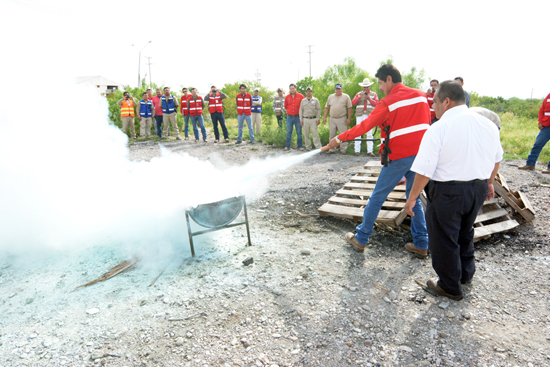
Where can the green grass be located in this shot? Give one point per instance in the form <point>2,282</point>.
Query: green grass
<point>517,135</point>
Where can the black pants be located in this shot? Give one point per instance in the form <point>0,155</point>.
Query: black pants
<point>218,116</point>
<point>450,215</point>
<point>280,120</point>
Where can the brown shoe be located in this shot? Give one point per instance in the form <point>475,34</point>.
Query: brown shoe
<point>371,154</point>
<point>526,167</point>
<point>434,284</point>
<point>546,170</point>
<point>421,254</point>
<point>357,154</point>
<point>350,237</point>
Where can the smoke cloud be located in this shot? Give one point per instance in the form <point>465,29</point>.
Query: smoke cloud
<point>67,182</point>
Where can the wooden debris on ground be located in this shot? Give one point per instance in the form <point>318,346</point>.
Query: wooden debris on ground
<point>350,202</point>
<point>123,266</point>
<point>516,199</point>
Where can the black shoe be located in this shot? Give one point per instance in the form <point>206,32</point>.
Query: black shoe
<point>434,284</point>
<point>239,142</point>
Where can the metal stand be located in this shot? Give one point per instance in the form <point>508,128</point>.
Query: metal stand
<point>191,233</point>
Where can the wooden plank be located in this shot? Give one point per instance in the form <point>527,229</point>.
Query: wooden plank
<point>495,228</point>
<point>368,172</point>
<point>373,164</point>
<point>359,185</point>
<point>515,202</point>
<point>526,202</point>
<point>490,215</point>
<point>364,179</point>
<point>492,201</point>
<point>367,193</point>
<point>356,214</point>
<point>388,204</point>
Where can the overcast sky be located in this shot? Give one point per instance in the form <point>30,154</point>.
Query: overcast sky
<point>500,48</point>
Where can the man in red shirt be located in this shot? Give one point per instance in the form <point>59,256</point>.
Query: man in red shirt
<point>244,104</point>
<point>403,116</point>
<point>158,113</point>
<point>431,93</point>
<point>542,138</point>
<point>292,107</point>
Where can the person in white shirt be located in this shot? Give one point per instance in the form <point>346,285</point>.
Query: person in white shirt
<point>459,157</point>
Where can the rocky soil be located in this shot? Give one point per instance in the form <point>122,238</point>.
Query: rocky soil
<point>307,300</point>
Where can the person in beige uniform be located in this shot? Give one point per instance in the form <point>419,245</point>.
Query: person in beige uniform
<point>310,118</point>
<point>365,102</point>
<point>339,104</point>
<point>279,106</point>
<point>127,113</point>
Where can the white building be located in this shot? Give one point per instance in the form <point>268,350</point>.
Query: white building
<point>104,86</point>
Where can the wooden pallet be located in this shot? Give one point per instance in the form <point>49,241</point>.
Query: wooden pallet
<point>516,199</point>
<point>350,201</point>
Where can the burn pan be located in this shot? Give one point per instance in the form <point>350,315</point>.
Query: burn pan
<point>217,215</point>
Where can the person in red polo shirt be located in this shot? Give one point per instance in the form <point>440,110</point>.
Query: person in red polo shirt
<point>158,113</point>
<point>292,107</point>
<point>403,116</point>
<point>184,110</point>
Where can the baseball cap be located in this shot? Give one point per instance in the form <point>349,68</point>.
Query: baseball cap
<point>256,89</point>
<point>338,86</point>
<point>309,88</point>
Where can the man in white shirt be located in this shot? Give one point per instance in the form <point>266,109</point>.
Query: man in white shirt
<point>460,155</point>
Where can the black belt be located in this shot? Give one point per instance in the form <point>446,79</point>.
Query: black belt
<point>306,117</point>
<point>471,182</point>
<point>293,115</point>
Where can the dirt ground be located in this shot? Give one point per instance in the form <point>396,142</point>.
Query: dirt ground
<point>307,300</point>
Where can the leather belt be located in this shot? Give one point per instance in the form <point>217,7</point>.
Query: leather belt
<point>306,117</point>
<point>471,182</point>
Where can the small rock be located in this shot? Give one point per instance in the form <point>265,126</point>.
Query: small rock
<point>387,299</point>
<point>444,305</point>
<point>368,343</point>
<point>323,315</point>
<point>276,335</point>
<point>404,348</point>
<point>33,335</point>
<point>143,303</point>
<point>305,251</point>
<point>179,341</point>
<point>352,289</point>
<point>443,335</point>
<point>29,301</point>
<point>245,343</point>
<point>295,351</point>
<point>466,316</point>
<point>248,261</point>
<point>166,300</point>
<point>450,314</point>
<point>349,344</point>
<point>189,335</point>
<point>393,295</point>
<point>304,274</point>
<point>92,311</point>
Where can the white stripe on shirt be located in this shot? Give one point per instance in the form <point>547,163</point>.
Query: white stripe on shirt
<point>407,102</point>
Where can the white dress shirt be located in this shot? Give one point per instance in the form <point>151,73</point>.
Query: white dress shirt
<point>461,146</point>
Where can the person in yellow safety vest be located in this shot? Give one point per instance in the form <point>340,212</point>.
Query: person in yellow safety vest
<point>127,113</point>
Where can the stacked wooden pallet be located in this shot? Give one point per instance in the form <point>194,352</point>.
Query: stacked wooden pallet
<point>350,201</point>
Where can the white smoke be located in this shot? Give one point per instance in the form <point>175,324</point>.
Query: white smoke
<point>67,183</point>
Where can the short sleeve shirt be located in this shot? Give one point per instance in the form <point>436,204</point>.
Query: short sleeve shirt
<point>462,146</point>
<point>338,105</point>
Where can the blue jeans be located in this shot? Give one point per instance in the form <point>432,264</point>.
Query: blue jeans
<point>200,121</point>
<point>292,121</point>
<point>186,119</point>
<point>158,125</point>
<point>218,116</point>
<point>542,138</point>
<point>248,119</point>
<point>388,179</point>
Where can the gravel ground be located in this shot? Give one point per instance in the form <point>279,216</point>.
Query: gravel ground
<point>307,300</point>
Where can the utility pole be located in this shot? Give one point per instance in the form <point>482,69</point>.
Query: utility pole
<point>258,76</point>
<point>139,64</point>
<point>310,52</point>
<point>149,63</point>
<point>532,93</point>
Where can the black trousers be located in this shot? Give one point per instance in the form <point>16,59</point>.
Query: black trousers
<point>450,215</point>
<point>279,120</point>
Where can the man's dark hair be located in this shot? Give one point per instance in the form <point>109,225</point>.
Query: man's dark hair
<point>144,93</point>
<point>388,69</point>
<point>435,80</point>
<point>452,90</point>
<point>149,90</point>
<point>459,78</point>
<point>192,89</point>
<point>125,93</point>
<point>293,85</point>
<point>242,85</point>
<point>166,88</point>
<point>184,88</point>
